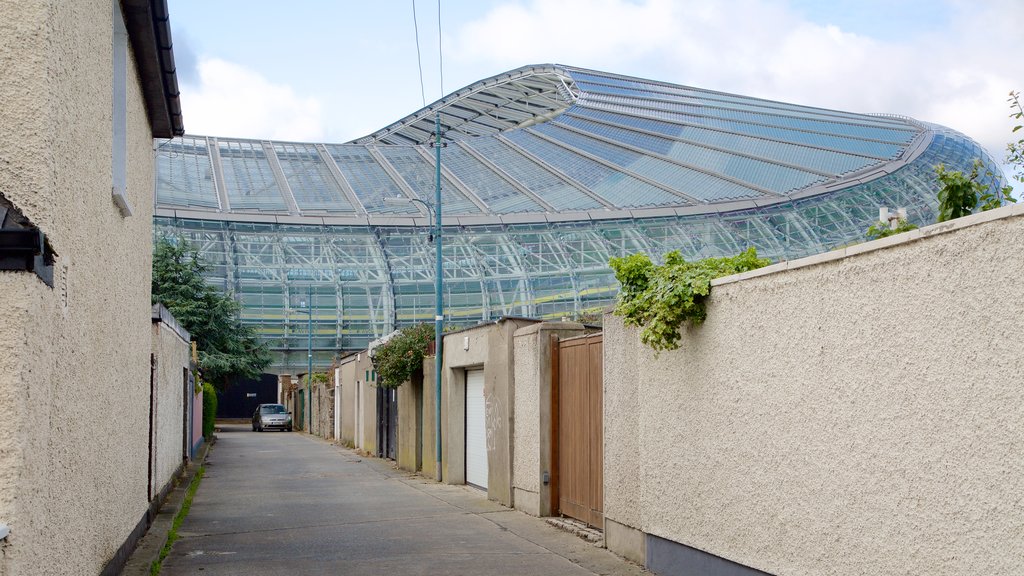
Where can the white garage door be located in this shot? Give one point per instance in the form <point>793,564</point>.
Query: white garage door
<point>476,430</point>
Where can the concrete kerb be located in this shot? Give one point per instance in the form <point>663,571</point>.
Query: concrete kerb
<point>149,547</point>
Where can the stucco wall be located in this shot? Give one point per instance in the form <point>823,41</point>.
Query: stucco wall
<point>72,486</point>
<point>410,398</point>
<point>428,460</point>
<point>323,409</point>
<point>366,399</point>
<point>855,413</point>
<point>348,399</point>
<point>532,438</point>
<point>172,357</point>
<point>489,347</point>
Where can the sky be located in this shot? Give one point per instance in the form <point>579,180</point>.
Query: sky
<point>332,71</point>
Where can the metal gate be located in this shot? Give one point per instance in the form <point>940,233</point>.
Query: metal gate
<point>387,422</point>
<point>577,400</point>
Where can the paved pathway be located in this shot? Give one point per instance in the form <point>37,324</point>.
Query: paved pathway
<point>286,503</point>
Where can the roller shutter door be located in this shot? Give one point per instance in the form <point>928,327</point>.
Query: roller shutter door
<point>476,430</point>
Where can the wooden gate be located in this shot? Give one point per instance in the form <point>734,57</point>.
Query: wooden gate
<point>577,400</point>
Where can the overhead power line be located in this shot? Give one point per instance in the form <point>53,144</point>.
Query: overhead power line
<point>440,55</point>
<point>419,58</point>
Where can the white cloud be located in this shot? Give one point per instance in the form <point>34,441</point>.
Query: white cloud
<point>230,99</point>
<point>958,76</point>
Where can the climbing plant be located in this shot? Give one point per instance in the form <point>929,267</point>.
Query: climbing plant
<point>659,299</point>
<point>883,230</point>
<point>397,359</point>
<point>318,378</point>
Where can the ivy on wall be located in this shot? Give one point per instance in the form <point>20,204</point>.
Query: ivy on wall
<point>400,357</point>
<point>659,299</point>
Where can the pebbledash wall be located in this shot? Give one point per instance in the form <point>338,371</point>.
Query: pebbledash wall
<point>857,412</point>
<point>172,396</point>
<point>532,460</point>
<point>74,358</point>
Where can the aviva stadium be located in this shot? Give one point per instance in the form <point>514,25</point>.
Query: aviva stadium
<point>547,172</point>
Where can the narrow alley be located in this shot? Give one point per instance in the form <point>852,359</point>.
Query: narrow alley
<point>286,503</point>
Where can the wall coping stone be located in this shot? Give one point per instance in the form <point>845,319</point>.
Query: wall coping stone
<point>1005,212</point>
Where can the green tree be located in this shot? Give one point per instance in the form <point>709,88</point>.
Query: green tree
<point>227,348</point>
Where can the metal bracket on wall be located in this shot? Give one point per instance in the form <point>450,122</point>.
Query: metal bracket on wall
<point>24,247</point>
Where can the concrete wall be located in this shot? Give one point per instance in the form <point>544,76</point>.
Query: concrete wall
<point>428,453</point>
<point>858,412</point>
<point>348,400</point>
<point>72,485</point>
<point>366,404</point>
<point>532,408</point>
<point>410,429</point>
<point>171,353</point>
<point>323,409</point>
<point>488,346</point>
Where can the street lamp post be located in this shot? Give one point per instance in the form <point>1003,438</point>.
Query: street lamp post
<point>438,295</point>
<point>435,211</point>
<point>308,305</point>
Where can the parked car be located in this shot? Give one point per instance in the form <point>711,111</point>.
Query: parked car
<point>271,416</point>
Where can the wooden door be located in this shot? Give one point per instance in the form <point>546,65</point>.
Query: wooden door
<point>578,429</point>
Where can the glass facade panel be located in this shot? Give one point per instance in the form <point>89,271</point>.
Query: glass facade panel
<point>615,187</point>
<point>249,178</point>
<point>184,173</point>
<point>419,174</point>
<point>658,92</point>
<point>532,175</point>
<point>309,178</point>
<point>773,177</point>
<point>368,179</point>
<point>814,159</point>
<point>695,184</point>
<point>500,196</point>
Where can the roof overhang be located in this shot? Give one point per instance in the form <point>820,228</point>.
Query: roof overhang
<point>149,31</point>
<point>520,97</point>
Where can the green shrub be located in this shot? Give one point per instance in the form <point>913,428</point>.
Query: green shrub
<point>209,410</point>
<point>396,360</point>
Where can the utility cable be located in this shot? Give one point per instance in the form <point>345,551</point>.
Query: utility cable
<point>419,58</point>
<point>440,55</point>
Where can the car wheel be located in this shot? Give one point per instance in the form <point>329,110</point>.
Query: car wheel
<point>289,428</point>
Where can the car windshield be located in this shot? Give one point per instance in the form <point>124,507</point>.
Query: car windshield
<point>272,409</point>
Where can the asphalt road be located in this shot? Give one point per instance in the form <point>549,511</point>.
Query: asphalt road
<point>286,503</point>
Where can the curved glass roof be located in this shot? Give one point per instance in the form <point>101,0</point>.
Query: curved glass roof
<point>548,171</point>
